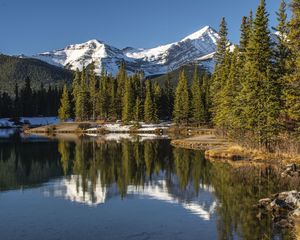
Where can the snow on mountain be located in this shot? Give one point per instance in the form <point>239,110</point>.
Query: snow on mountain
<point>198,47</point>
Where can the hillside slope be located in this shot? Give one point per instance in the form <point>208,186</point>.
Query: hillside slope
<point>15,70</point>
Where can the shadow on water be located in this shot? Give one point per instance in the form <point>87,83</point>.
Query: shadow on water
<point>92,171</point>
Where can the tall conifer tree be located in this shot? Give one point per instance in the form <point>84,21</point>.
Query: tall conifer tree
<point>182,100</point>
<point>64,110</point>
<point>198,111</point>
<point>292,81</point>
<point>259,95</point>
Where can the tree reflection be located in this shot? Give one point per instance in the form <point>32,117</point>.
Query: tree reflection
<point>127,164</point>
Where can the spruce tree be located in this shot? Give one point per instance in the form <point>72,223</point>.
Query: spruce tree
<point>17,107</point>
<point>157,97</point>
<point>127,101</point>
<point>207,97</point>
<point>64,110</point>
<point>219,116</point>
<point>245,35</point>
<point>292,80</point>
<point>182,100</point>
<point>282,53</point>
<point>222,43</point>
<point>138,110</point>
<point>231,89</point>
<point>93,90</point>
<point>169,97</point>
<point>121,77</point>
<point>27,98</point>
<point>221,68</point>
<point>82,98</point>
<point>198,111</point>
<point>259,95</point>
<point>149,108</point>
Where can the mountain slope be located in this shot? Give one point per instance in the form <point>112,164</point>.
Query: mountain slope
<point>15,70</point>
<point>198,47</point>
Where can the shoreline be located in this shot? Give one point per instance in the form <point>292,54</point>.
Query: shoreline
<point>221,149</point>
<point>194,138</point>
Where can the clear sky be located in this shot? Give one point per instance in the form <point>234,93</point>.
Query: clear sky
<point>33,26</point>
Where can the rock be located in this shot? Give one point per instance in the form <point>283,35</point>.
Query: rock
<point>296,213</point>
<point>293,197</point>
<point>284,223</point>
<point>264,202</point>
<point>259,215</point>
<point>278,203</point>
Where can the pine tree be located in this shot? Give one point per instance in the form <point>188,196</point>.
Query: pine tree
<point>281,50</point>
<point>74,92</point>
<point>121,77</point>
<point>64,110</point>
<point>82,98</point>
<point>231,89</point>
<point>93,90</point>
<point>292,80</point>
<point>219,116</point>
<point>259,96</point>
<point>198,111</point>
<point>245,34</point>
<point>26,98</point>
<point>157,97</point>
<point>127,101</point>
<point>182,100</point>
<point>138,110</point>
<point>17,107</point>
<point>207,97</point>
<point>169,97</point>
<point>113,99</point>
<point>250,21</point>
<point>222,43</point>
<point>149,108</point>
<point>221,68</point>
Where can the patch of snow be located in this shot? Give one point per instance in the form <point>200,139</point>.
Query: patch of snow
<point>4,122</point>
<point>117,127</point>
<point>39,121</point>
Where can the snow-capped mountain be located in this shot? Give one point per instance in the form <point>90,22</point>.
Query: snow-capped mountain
<point>198,47</point>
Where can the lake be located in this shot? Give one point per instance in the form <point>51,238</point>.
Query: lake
<point>135,188</point>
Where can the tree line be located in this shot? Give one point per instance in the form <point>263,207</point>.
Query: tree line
<point>30,103</point>
<point>134,98</point>
<point>256,87</point>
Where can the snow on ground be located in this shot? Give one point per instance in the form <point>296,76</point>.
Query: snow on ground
<point>153,127</point>
<point>4,122</point>
<point>39,121</point>
<point>117,127</point>
<point>33,121</point>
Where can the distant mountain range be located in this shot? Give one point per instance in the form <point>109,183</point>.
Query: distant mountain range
<point>54,67</point>
<point>198,47</point>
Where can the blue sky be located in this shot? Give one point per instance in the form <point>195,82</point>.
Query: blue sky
<point>33,26</point>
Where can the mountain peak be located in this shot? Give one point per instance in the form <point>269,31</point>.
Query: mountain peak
<point>200,33</point>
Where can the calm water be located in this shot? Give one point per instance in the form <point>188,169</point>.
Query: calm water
<point>92,188</point>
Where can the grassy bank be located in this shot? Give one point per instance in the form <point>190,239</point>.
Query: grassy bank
<point>217,148</point>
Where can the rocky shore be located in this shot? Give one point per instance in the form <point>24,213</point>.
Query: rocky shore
<point>284,207</point>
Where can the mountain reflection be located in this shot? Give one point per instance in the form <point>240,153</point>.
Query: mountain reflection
<point>97,171</point>
<point>93,171</point>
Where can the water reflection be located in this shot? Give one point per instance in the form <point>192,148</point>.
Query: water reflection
<point>91,171</point>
